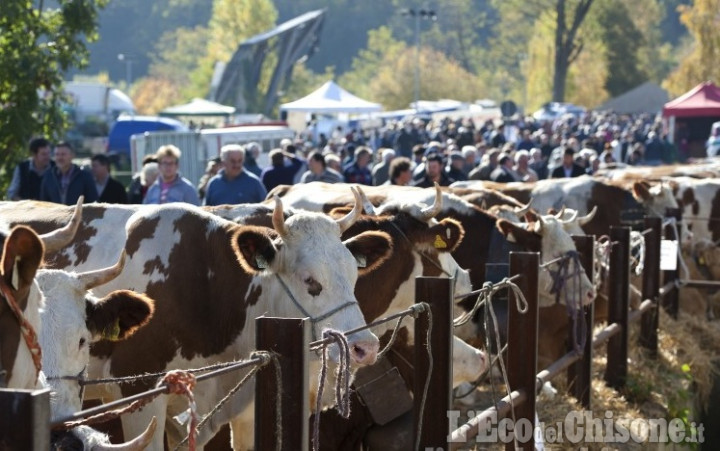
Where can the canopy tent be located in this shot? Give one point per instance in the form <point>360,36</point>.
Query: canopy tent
<point>701,101</point>
<point>649,97</point>
<point>198,107</point>
<point>331,98</point>
<point>690,117</point>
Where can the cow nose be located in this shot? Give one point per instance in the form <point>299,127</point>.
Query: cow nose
<point>364,352</point>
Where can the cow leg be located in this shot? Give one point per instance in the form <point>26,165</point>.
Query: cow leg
<point>135,423</point>
<point>242,429</point>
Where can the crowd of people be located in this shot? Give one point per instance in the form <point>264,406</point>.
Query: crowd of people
<point>411,152</point>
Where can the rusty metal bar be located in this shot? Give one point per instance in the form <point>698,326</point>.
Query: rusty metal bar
<point>25,419</point>
<point>618,299</point>
<point>671,301</point>
<point>691,283</point>
<point>651,285</point>
<point>522,345</point>
<point>287,339</point>
<point>579,375</point>
<point>433,372</point>
<point>478,424</point>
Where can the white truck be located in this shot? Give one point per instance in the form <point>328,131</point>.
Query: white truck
<point>200,146</point>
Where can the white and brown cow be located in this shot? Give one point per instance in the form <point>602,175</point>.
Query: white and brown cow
<point>210,279</point>
<point>66,318</point>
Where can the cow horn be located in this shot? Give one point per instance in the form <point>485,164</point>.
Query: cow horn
<point>587,218</point>
<point>349,219</point>
<point>573,216</point>
<point>278,218</point>
<point>92,279</point>
<point>521,211</point>
<point>138,443</point>
<point>433,210</point>
<point>58,239</point>
<point>367,205</point>
<point>559,215</point>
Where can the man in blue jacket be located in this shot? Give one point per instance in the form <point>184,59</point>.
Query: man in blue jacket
<point>66,182</point>
<point>233,184</point>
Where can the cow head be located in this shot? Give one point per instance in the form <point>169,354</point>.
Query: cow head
<point>548,237</point>
<point>312,272</point>
<point>72,319</point>
<point>656,199</point>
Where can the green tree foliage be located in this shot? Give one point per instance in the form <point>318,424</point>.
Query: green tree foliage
<point>623,43</point>
<point>703,60</point>
<point>37,48</point>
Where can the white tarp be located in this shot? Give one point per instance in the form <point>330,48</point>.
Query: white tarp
<point>331,98</point>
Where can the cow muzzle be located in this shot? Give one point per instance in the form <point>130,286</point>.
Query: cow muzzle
<point>364,350</point>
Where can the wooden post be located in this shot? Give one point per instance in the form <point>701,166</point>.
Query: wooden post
<point>522,345</point>
<point>25,419</point>
<point>579,374</point>
<point>651,286</point>
<point>431,419</point>
<point>671,301</point>
<point>618,299</point>
<point>288,339</point>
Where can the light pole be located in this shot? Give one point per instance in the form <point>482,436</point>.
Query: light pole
<point>417,15</point>
<point>128,67</point>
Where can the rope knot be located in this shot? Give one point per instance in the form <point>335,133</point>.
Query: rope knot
<point>179,382</point>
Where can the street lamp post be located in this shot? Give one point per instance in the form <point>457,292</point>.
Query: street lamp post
<point>417,15</point>
<point>128,67</point>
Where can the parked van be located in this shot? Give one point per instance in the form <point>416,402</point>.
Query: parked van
<point>126,126</point>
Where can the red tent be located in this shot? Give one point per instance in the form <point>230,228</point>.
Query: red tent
<point>701,101</point>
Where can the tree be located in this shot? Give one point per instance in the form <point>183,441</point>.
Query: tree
<point>567,48</point>
<point>37,48</point>
<point>702,62</point>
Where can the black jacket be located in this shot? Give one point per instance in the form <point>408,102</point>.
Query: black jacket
<point>114,193</point>
<point>559,172</point>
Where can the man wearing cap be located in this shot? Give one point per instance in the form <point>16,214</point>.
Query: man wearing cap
<point>455,167</point>
<point>568,167</point>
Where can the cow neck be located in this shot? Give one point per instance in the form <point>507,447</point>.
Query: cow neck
<point>316,319</point>
<point>422,253</point>
<point>28,332</point>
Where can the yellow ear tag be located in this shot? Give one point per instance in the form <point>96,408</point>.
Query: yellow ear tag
<point>439,243</point>
<point>701,260</point>
<point>112,333</point>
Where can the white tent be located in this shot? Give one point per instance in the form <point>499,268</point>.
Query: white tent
<point>198,107</point>
<point>331,98</point>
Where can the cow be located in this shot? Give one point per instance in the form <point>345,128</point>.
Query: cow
<point>619,203</point>
<point>469,362</point>
<point>66,319</point>
<point>210,278</point>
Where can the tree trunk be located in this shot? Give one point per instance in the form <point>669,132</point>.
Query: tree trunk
<point>560,74</point>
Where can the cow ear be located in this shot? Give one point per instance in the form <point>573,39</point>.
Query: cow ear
<point>21,258</point>
<point>370,249</point>
<point>508,229</point>
<point>514,233</point>
<point>339,212</point>
<point>254,248</point>
<point>446,235</point>
<point>118,315</point>
<point>641,191</point>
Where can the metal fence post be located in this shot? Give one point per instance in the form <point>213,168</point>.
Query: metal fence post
<point>431,413</point>
<point>522,344</point>
<point>618,299</point>
<point>671,301</point>
<point>25,419</point>
<point>651,285</point>
<point>287,339</point>
<point>579,374</point>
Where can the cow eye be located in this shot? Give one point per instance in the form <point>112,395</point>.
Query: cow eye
<point>82,342</point>
<point>314,287</point>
